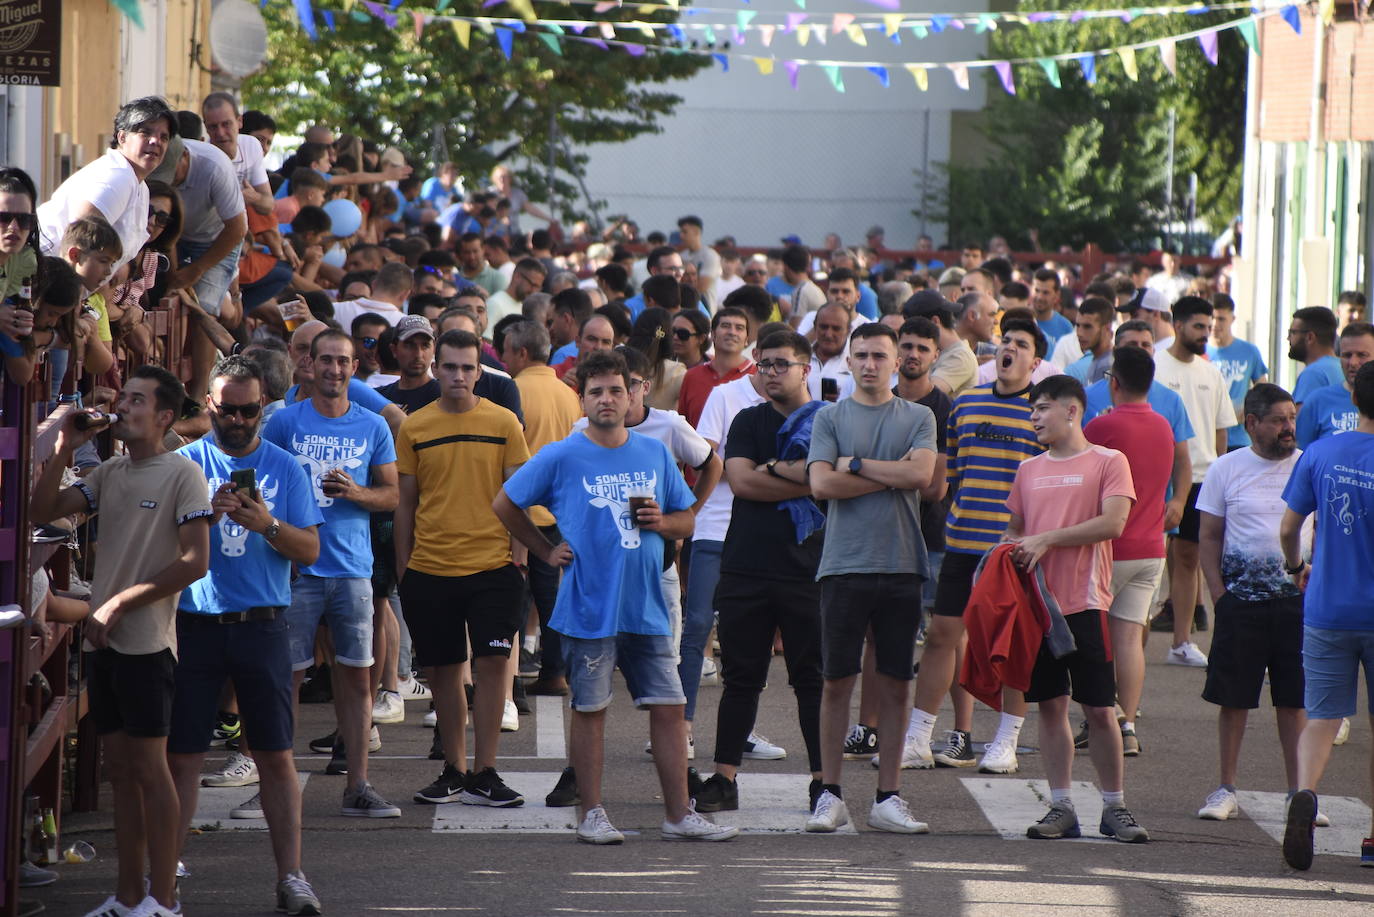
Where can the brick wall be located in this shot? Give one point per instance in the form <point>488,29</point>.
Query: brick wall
<point>1285,78</point>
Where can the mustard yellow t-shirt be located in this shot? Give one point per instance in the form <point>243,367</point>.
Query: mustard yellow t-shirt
<point>102,328</point>
<point>551,409</point>
<point>458,461</point>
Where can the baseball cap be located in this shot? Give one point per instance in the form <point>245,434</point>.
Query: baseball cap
<point>875,231</point>
<point>923,302</point>
<point>412,325</point>
<point>168,170</point>
<point>1146,298</point>
<point>791,240</point>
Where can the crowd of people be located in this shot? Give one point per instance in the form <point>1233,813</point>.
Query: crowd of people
<point>421,452</point>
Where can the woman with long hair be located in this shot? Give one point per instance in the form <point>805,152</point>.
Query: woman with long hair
<point>691,331</point>
<point>651,335</point>
<point>19,263</point>
<point>145,273</point>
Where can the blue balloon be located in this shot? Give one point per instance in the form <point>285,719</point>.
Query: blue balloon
<point>344,216</point>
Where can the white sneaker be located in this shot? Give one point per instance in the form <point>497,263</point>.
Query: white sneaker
<point>999,757</point>
<point>691,748</point>
<point>1187,654</point>
<point>510,719</point>
<point>892,814</point>
<point>112,907</point>
<point>760,749</point>
<point>830,813</point>
<point>1342,734</point>
<point>149,907</point>
<point>696,827</point>
<point>596,828</point>
<point>388,707</point>
<point>413,689</point>
<point>915,756</point>
<point>1219,806</point>
<point>431,719</point>
<point>1320,820</point>
<point>239,770</point>
<point>250,809</point>
<point>710,671</point>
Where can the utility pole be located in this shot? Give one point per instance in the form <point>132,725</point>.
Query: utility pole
<point>1169,185</point>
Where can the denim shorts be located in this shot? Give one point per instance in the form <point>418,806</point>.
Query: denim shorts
<point>1331,661</point>
<point>214,283</point>
<point>649,663</point>
<point>345,604</point>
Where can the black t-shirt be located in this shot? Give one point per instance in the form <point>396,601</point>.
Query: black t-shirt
<point>933,515</point>
<point>496,389</point>
<point>761,540</point>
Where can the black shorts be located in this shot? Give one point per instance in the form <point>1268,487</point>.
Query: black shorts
<point>1086,674</point>
<point>1249,638</point>
<point>955,584</point>
<point>383,557</point>
<point>1188,525</point>
<point>256,655</point>
<point>889,603</point>
<point>444,612</point>
<point>132,694</point>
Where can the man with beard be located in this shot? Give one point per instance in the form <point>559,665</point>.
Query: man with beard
<point>1207,399</point>
<point>232,623</point>
<point>1258,608</point>
<point>1312,341</point>
<point>1329,410</point>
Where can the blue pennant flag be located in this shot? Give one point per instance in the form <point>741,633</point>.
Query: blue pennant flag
<point>307,18</point>
<point>723,61</point>
<point>881,74</point>
<point>1291,16</point>
<point>505,38</point>
<point>1089,64</point>
<point>328,19</point>
<point>939,23</point>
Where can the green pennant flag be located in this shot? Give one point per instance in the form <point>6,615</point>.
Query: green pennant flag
<point>1247,31</point>
<point>986,21</point>
<point>555,28</point>
<point>131,9</point>
<point>443,5</point>
<point>1051,68</point>
<point>552,41</point>
<point>836,80</point>
<point>919,30</point>
<point>360,16</point>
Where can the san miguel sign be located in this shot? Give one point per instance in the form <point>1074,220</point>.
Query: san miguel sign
<point>30,42</point>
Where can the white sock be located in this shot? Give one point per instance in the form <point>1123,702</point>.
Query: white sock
<point>1114,799</point>
<point>530,643</point>
<point>1008,728</point>
<point>1062,797</point>
<point>1128,726</point>
<point>920,727</point>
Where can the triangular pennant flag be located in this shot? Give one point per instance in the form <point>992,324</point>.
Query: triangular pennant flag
<point>1168,55</point>
<point>707,33</point>
<point>392,4</point>
<point>840,22</point>
<point>1003,69</point>
<point>348,5</point>
<point>675,30</point>
<point>801,4</point>
<point>552,41</point>
<point>1250,34</point>
<point>765,65</point>
<point>419,19</point>
<point>505,38</point>
<point>803,36</point>
<point>1208,40</point>
<point>634,49</point>
<point>303,12</point>
<point>856,34</point>
<point>986,21</point>
<point>1128,63</point>
<point>328,19</point>
<point>792,68</point>
<point>604,7</point>
<point>743,18</point>
<point>554,27</point>
<point>766,33</point>
<point>957,24</point>
<point>578,29</point>
<point>919,30</point>
<point>960,73</point>
<point>607,30</point>
<point>1078,16</point>
<point>1088,63</point>
<point>836,80</point>
<point>525,8</point>
<point>359,16</point>
<point>1051,68</point>
<point>484,26</point>
<point>881,74</point>
<point>723,61</point>
<point>921,75</point>
<point>1293,17</point>
<point>518,27</point>
<point>598,42</point>
<point>443,5</point>
<point>938,23</point>
<point>887,4</point>
<point>794,20</point>
<point>645,29</point>
<point>818,33</point>
<point>891,23</point>
<point>1326,9</point>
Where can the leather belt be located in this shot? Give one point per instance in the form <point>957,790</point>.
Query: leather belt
<point>258,613</point>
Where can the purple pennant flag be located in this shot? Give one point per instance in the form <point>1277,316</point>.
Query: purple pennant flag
<point>938,23</point>
<point>599,43</point>
<point>634,50</point>
<point>792,68</point>
<point>488,4</point>
<point>893,5</point>
<point>794,20</point>
<point>1208,40</point>
<point>1089,64</point>
<point>579,29</point>
<point>723,61</point>
<point>1078,16</point>
<point>505,38</point>
<point>307,18</point>
<point>1040,17</point>
<point>373,8</point>
<point>328,19</point>
<point>1291,16</point>
<point>881,74</point>
<point>1008,81</point>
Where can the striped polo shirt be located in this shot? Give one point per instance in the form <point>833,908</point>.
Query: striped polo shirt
<point>989,435</point>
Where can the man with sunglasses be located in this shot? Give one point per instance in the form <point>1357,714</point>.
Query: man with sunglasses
<point>232,623</point>
<point>367,329</point>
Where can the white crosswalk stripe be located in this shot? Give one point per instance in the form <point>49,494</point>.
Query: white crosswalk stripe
<point>215,802</point>
<point>1013,804</point>
<point>1349,819</point>
<point>548,728</point>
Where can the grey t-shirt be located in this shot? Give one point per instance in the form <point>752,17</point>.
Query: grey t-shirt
<point>878,532</point>
<point>210,195</point>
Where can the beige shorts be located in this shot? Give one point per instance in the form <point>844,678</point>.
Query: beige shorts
<point>1133,588</point>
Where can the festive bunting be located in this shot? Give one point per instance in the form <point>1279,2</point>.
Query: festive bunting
<point>919,30</point>
<point>794,20</point>
<point>505,38</point>
<point>1003,69</point>
<point>836,80</point>
<point>1291,16</point>
<point>856,35</point>
<point>921,75</point>
<point>840,22</point>
<point>766,33</point>
<point>419,19</point>
<point>803,36</point>
<point>443,5</point>
<point>1250,34</point>
<point>462,31</point>
<point>939,23</point>
<point>818,33</point>
<point>887,4</point>
<point>986,21</point>
<point>891,23</point>
<point>552,41</point>
<point>723,60</point>
<point>328,19</point>
<point>743,18</point>
<point>608,30</point>
<point>1051,68</point>
<point>881,74</point>
<point>1128,63</point>
<point>303,13</point>
<point>765,65</point>
<point>960,72</point>
<point>634,49</point>
<point>1089,65</point>
<point>1208,40</point>
<point>792,68</point>
<point>1168,55</point>
<point>1327,10</point>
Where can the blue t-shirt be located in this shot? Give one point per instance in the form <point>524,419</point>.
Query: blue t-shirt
<point>434,192</point>
<point>779,288</point>
<point>245,571</point>
<point>636,305</point>
<point>612,585</point>
<point>1324,372</point>
<point>1163,400</point>
<point>354,442</point>
<point>458,220</point>
<point>359,392</point>
<point>1241,364</point>
<point>562,353</point>
<point>1054,328</point>
<point>1335,479</point>
<point>1326,412</point>
<point>868,302</point>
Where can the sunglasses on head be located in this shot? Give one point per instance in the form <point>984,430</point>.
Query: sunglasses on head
<point>684,334</point>
<point>248,411</point>
<point>161,218</point>
<point>22,220</point>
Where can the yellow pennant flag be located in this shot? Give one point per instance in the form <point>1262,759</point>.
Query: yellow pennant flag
<point>525,8</point>
<point>856,34</point>
<point>891,23</point>
<point>1128,62</point>
<point>1327,10</point>
<point>348,5</point>
<point>463,31</point>
<point>765,65</point>
<point>803,36</point>
<point>921,75</point>
<point>642,26</point>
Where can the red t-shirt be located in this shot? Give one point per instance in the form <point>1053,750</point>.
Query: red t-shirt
<point>1147,441</point>
<point>562,369</point>
<point>697,383</point>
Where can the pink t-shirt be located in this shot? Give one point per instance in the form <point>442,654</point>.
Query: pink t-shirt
<point>1054,493</point>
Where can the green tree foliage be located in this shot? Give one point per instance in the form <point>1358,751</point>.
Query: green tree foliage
<point>1088,163</point>
<point>432,94</point>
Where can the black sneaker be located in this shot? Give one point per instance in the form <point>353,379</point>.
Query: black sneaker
<point>338,761</point>
<point>324,744</point>
<point>485,788</point>
<point>564,792</point>
<point>1080,741</point>
<point>1199,618</point>
<point>522,703</point>
<point>436,746</point>
<point>958,750</point>
<point>861,743</point>
<point>813,792</point>
<point>1163,623</point>
<point>718,794</point>
<point>1297,832</point>
<point>316,689</point>
<point>447,788</point>
<point>529,664</point>
<point>694,783</point>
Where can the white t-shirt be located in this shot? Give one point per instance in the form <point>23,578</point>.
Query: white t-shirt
<point>724,287</point>
<point>809,321</point>
<point>837,368</point>
<point>724,402</point>
<point>345,312</point>
<point>1066,351</point>
<point>687,446</point>
<point>708,265</point>
<point>807,297</point>
<point>111,185</point>
<point>211,194</point>
<point>248,164</point>
<point>1206,398</point>
<point>1246,490</point>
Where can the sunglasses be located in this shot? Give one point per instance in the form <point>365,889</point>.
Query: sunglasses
<point>756,272</point>
<point>159,217</point>
<point>22,220</point>
<point>247,411</point>
<point>684,334</point>
<point>368,343</point>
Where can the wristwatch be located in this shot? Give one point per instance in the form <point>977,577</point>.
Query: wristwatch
<point>272,531</point>
<point>772,468</point>
<point>1293,571</point>
<point>856,465</point>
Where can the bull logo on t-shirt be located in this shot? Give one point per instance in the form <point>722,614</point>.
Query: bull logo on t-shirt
<point>609,491</point>
<point>319,454</point>
<point>233,538</point>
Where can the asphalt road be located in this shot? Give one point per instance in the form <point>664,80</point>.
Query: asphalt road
<point>464,860</point>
